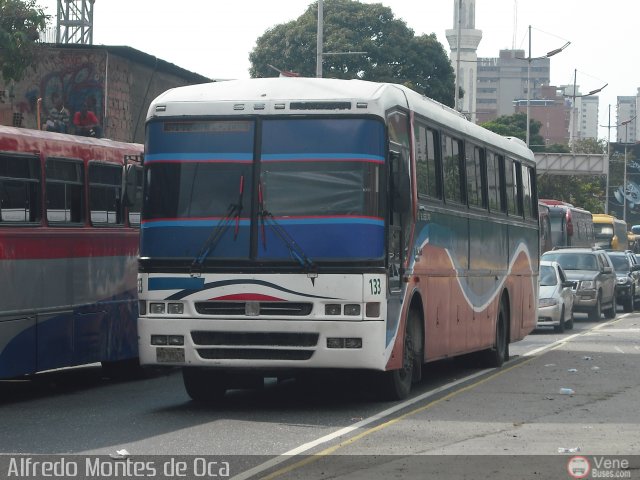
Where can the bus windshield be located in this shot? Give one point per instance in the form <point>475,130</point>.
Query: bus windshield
<point>319,179</point>
<point>602,230</point>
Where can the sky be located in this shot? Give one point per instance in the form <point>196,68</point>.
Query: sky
<point>214,37</point>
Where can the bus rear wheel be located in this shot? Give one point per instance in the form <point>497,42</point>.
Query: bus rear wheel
<point>499,353</point>
<point>396,384</point>
<point>204,385</point>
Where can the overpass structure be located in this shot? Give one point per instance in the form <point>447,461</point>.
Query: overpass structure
<point>571,164</point>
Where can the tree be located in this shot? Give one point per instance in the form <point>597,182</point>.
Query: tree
<point>393,52</point>
<point>21,22</point>
<point>582,191</point>
<point>516,126</point>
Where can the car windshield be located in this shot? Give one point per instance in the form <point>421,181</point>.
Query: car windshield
<point>574,261</point>
<point>547,276</point>
<point>620,263</point>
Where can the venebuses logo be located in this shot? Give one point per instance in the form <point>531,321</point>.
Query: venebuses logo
<point>578,467</point>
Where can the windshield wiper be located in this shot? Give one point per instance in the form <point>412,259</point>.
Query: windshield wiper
<point>296,252</point>
<point>233,212</point>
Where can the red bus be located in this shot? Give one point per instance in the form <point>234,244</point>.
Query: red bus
<point>68,252</point>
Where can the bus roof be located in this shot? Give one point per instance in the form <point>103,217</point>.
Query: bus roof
<point>604,218</point>
<point>304,96</point>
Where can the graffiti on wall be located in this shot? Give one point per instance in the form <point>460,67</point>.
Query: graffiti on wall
<point>75,87</point>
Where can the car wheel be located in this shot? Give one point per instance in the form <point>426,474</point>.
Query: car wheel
<point>595,313</point>
<point>611,313</point>
<point>560,328</point>
<point>570,322</point>
<point>629,304</point>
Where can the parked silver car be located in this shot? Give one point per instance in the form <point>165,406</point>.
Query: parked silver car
<point>555,297</point>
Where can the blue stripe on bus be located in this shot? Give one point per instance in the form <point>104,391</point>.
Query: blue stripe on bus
<point>199,157</point>
<point>189,222</point>
<point>104,331</point>
<point>325,239</point>
<point>337,157</point>
<point>175,283</point>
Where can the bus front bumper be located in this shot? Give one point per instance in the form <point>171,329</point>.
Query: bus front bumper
<point>263,344</point>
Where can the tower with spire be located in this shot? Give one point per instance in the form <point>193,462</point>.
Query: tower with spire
<point>463,41</point>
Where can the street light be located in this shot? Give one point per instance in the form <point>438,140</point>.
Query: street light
<point>574,108</point>
<point>624,181</point>
<point>320,40</point>
<point>529,59</point>
<point>609,127</point>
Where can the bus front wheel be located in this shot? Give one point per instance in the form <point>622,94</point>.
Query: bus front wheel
<point>396,384</point>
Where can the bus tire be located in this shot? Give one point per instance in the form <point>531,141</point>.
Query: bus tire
<point>495,356</point>
<point>204,385</point>
<point>396,384</point>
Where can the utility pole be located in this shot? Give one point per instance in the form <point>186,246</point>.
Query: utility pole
<point>319,39</point>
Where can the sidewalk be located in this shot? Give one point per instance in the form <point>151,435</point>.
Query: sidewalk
<point>538,417</point>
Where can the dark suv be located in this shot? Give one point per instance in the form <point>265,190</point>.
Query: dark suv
<point>593,277</point>
<point>628,274</point>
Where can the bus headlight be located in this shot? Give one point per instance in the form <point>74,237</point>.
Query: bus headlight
<point>156,308</point>
<point>175,308</point>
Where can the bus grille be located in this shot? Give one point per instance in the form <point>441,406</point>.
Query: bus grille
<point>255,339</point>
<point>253,354</point>
<point>292,309</point>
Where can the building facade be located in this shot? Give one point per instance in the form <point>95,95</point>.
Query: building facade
<point>505,79</point>
<point>627,111</point>
<point>583,117</point>
<point>552,110</point>
<point>118,83</point>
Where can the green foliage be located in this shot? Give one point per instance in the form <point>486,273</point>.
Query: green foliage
<point>393,52</point>
<point>21,22</point>
<point>516,126</point>
<point>587,192</point>
<point>591,146</point>
<point>582,191</point>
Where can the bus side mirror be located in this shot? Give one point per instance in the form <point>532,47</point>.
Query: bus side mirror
<point>130,185</point>
<point>400,184</point>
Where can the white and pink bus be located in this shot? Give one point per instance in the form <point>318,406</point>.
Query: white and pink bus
<point>296,224</point>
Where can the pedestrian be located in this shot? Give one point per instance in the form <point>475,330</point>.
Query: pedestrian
<point>58,119</point>
<point>86,122</point>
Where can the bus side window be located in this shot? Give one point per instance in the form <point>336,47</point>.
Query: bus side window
<point>64,191</point>
<point>493,182</point>
<point>452,160</point>
<point>134,210</point>
<point>527,192</point>
<point>105,194</point>
<point>19,189</point>
<point>428,177</point>
<point>475,178</point>
<point>511,185</point>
